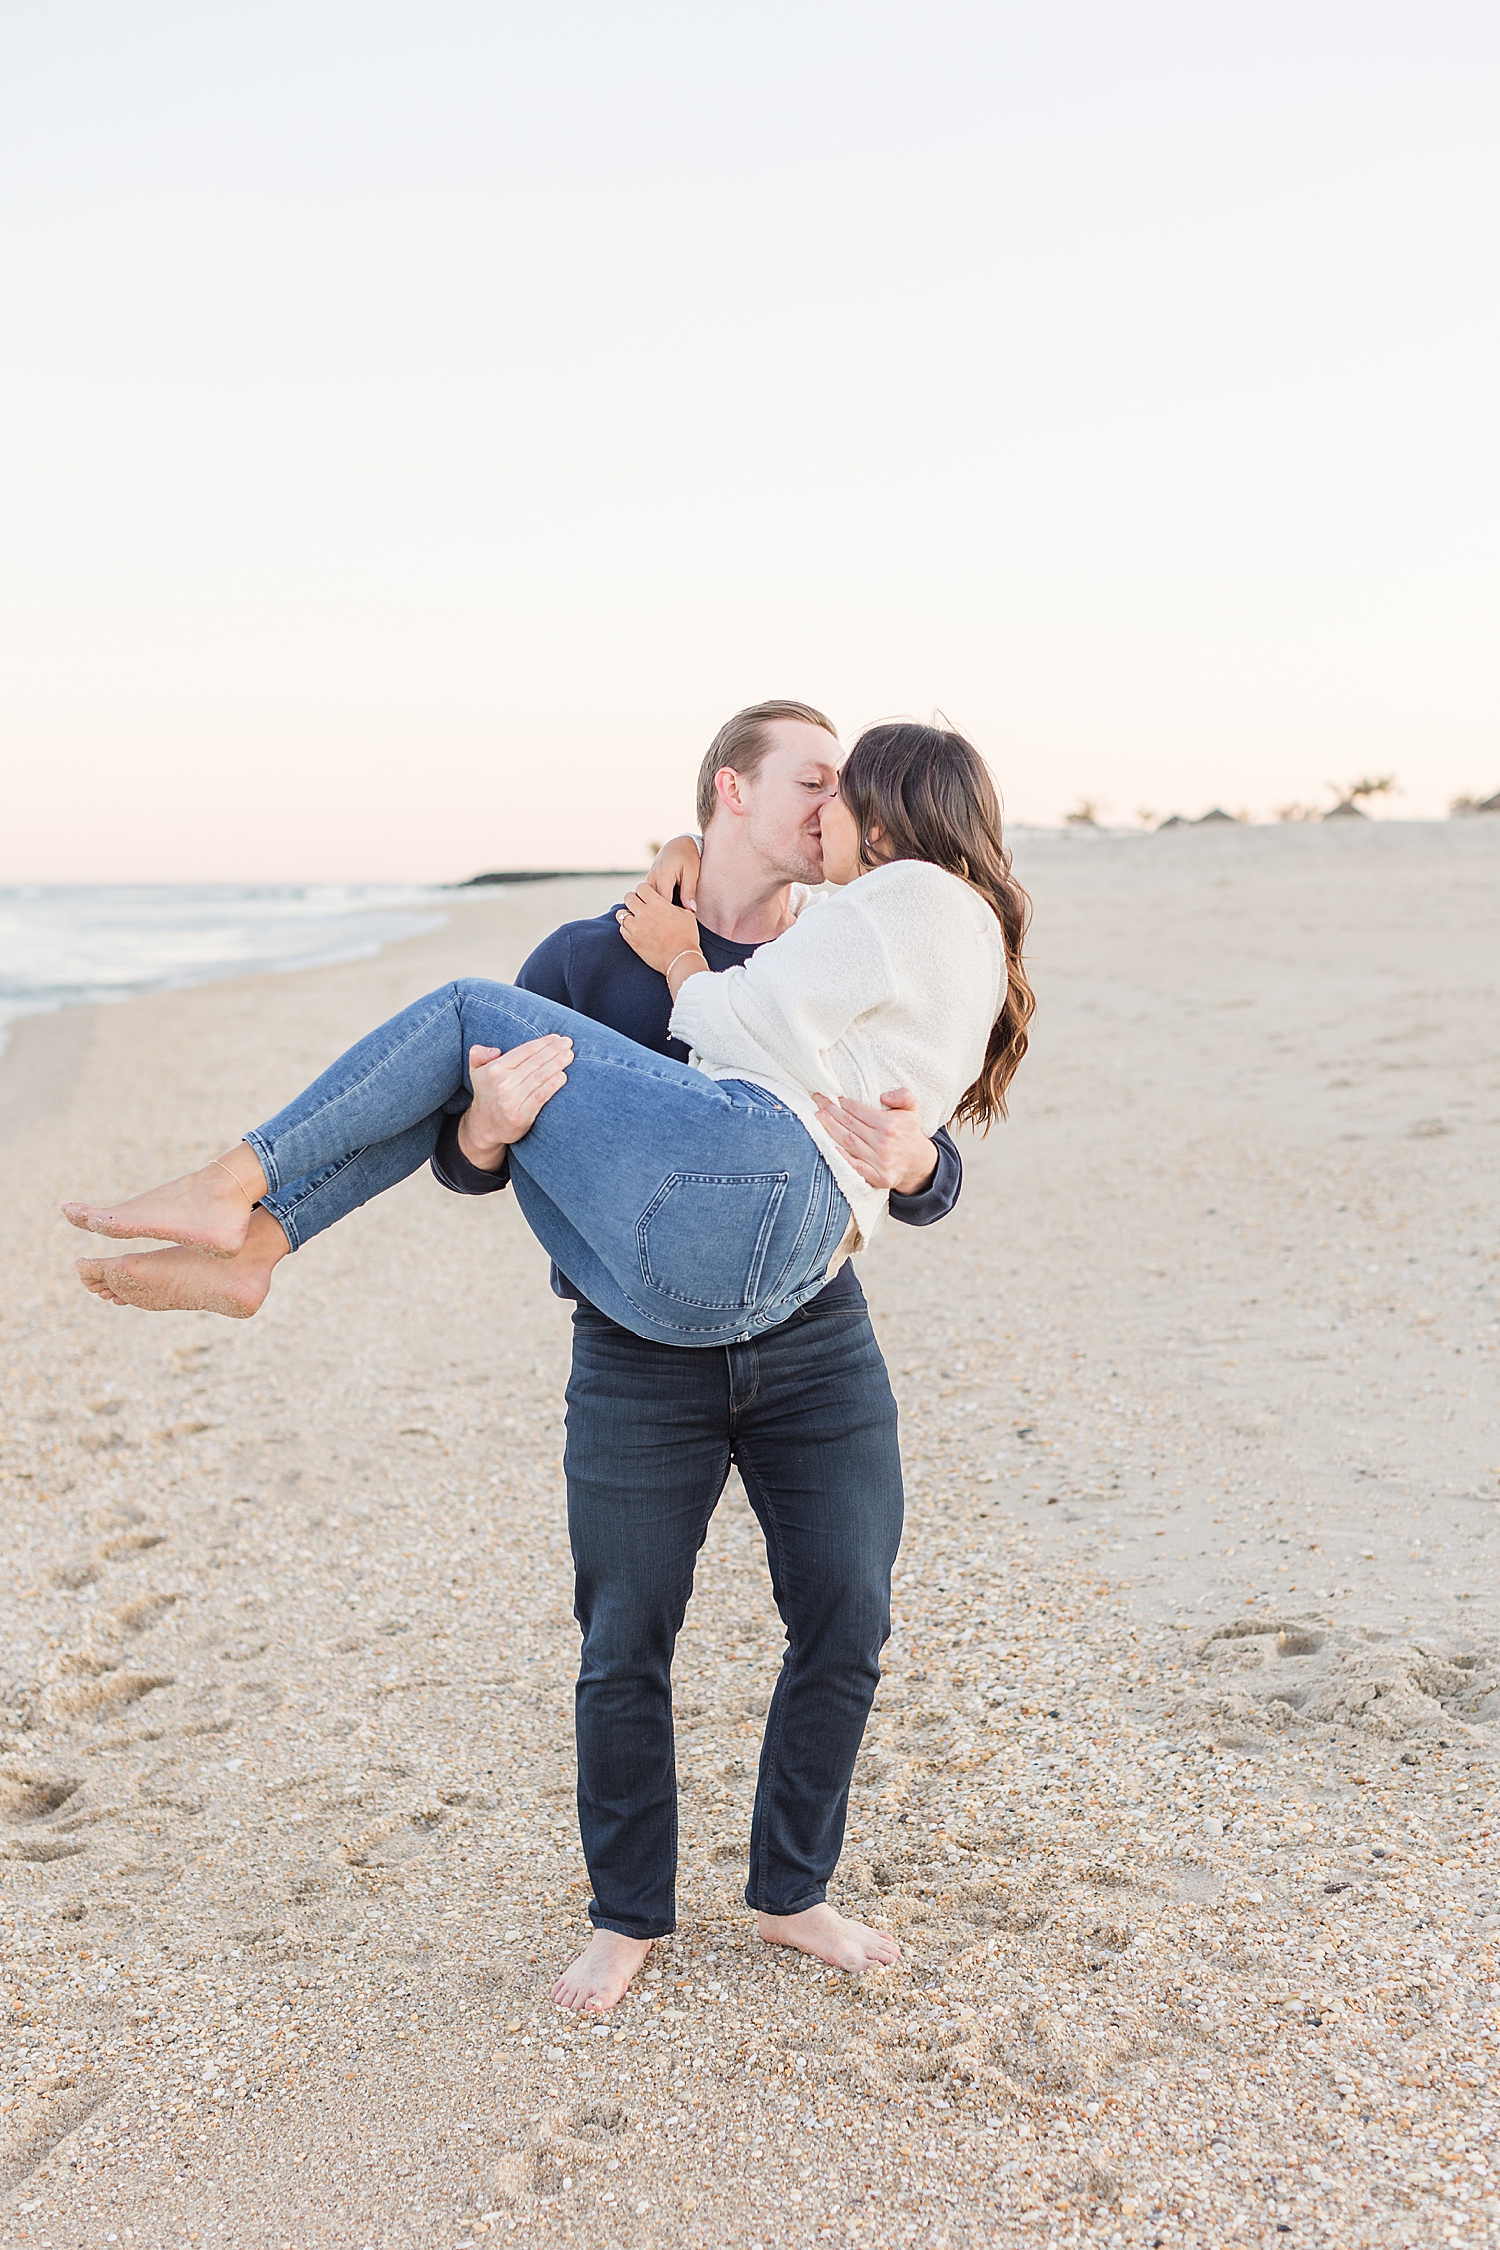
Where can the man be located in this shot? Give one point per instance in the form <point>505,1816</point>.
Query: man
<point>804,1412</point>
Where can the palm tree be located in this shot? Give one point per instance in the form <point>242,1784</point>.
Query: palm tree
<point>1348,805</point>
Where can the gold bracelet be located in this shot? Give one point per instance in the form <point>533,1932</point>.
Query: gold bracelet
<point>682,956</point>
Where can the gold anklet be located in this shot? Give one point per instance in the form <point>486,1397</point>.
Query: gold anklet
<point>252,1200</point>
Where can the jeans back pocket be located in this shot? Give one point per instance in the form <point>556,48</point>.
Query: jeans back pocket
<point>703,1237</point>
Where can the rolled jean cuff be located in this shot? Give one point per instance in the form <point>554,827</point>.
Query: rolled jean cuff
<point>265,1159</point>
<point>618,1929</point>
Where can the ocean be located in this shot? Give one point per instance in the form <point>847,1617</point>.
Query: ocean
<point>67,945</point>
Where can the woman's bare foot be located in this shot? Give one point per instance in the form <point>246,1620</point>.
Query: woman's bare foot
<point>600,1978</point>
<point>208,1210</point>
<point>830,1936</point>
<point>187,1280</point>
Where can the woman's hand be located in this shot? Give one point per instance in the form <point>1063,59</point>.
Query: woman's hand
<point>658,931</point>
<point>509,1089</point>
<point>675,868</point>
<point>886,1146</point>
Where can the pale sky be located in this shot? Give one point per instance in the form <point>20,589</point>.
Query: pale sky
<point>421,426</point>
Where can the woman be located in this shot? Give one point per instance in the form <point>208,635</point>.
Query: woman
<point>693,1204</point>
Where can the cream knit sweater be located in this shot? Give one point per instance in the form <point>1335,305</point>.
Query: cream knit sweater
<point>896,980</point>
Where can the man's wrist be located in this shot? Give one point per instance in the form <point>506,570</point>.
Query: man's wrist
<point>918,1183</point>
<point>484,1155</point>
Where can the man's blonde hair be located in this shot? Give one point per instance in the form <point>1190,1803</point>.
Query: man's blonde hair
<point>743,741</point>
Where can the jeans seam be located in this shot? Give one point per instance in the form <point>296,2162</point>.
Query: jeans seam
<point>739,1400</point>
<point>772,1295</point>
<point>771,1747</point>
<point>817,1264</point>
<point>712,1330</point>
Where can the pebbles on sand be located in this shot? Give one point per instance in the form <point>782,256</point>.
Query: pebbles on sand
<point>1186,1828</point>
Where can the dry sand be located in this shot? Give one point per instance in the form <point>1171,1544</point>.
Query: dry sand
<point>1180,1791</point>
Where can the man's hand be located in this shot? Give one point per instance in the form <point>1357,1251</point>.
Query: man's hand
<point>509,1089</point>
<point>886,1146</point>
<point>658,931</point>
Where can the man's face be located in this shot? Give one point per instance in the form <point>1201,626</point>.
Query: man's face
<point>783,799</point>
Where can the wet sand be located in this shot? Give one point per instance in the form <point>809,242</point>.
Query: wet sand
<point>1180,1787</point>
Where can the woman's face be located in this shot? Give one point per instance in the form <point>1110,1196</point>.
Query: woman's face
<point>840,842</point>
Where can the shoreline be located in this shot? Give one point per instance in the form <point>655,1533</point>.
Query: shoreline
<point>1199,1923</point>
<point>92,919</point>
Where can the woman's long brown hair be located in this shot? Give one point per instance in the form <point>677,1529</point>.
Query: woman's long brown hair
<point>925,793</point>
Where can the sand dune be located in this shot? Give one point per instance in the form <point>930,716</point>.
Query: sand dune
<point>1180,1789</point>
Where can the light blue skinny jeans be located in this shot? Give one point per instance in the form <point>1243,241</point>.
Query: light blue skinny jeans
<point>689,1210</point>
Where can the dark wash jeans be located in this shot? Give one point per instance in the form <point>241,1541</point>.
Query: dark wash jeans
<point>805,1413</point>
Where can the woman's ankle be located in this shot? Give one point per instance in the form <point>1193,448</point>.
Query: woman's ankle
<point>244,1168</point>
<point>266,1243</point>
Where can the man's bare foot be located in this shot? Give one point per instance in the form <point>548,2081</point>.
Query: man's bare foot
<point>187,1280</point>
<point>208,1210</point>
<point>600,1978</point>
<point>830,1936</point>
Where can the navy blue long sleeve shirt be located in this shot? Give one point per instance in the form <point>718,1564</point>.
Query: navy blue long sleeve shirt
<point>589,967</point>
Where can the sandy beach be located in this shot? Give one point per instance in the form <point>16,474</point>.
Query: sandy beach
<point>1180,1788</point>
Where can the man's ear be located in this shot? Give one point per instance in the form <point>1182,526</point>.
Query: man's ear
<point>727,790</point>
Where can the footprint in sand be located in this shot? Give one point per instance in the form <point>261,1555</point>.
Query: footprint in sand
<point>391,1845</point>
<point>28,1794</point>
<point>573,2141</point>
<point>31,1799</point>
<point>33,2144</point>
<point>99,1698</point>
<point>131,1543</point>
<point>75,1574</point>
<point>94,1680</point>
